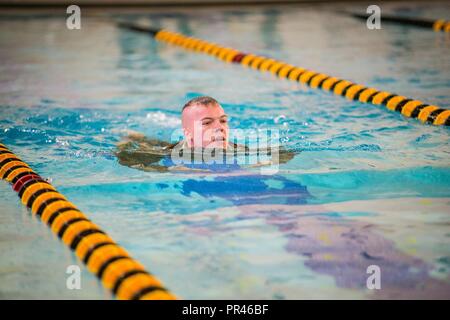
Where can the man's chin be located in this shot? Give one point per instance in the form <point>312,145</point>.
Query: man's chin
<point>217,145</point>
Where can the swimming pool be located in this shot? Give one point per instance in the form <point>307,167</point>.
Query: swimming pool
<point>369,186</point>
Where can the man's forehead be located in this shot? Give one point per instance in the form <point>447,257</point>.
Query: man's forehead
<point>199,109</point>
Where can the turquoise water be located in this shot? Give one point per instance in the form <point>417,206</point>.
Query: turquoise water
<point>367,187</point>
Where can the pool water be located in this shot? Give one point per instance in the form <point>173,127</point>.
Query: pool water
<point>367,187</point>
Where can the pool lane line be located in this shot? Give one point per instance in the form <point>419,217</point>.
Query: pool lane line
<point>437,25</point>
<point>410,108</point>
<point>117,270</point>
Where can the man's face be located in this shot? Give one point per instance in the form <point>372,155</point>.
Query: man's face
<point>205,126</point>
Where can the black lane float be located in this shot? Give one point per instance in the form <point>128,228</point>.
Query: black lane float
<point>436,25</point>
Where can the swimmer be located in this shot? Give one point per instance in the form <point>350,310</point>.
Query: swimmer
<point>205,127</point>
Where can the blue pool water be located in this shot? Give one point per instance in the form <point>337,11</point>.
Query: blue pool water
<point>368,186</point>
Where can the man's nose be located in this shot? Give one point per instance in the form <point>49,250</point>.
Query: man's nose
<point>219,127</point>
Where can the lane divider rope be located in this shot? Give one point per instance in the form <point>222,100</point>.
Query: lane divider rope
<point>408,107</point>
<point>117,270</point>
<point>437,25</point>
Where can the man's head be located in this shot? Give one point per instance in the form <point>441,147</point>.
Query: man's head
<point>205,124</point>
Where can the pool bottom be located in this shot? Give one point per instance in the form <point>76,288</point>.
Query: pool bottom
<point>309,251</point>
